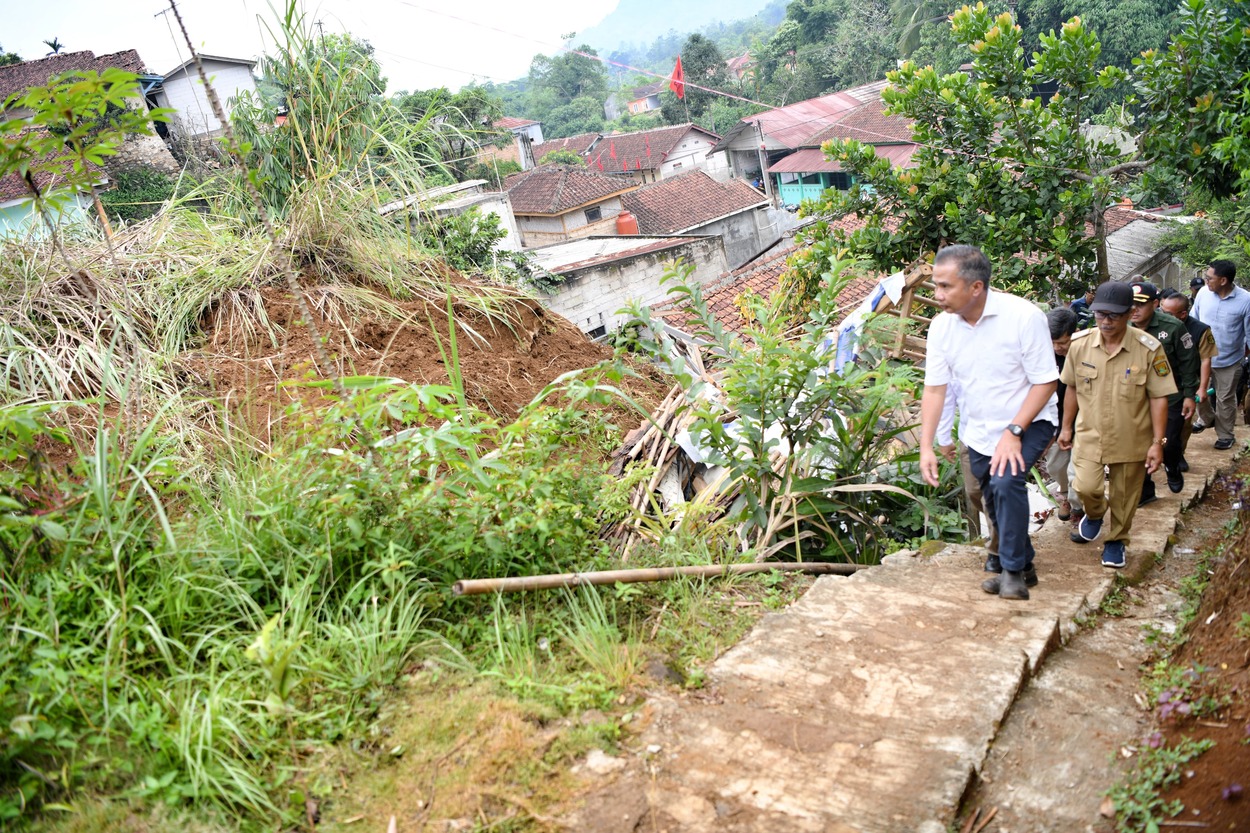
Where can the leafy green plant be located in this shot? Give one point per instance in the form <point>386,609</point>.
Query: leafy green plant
<point>808,448</point>
<point>1139,809</point>
<point>137,193</point>
<point>1242,628</point>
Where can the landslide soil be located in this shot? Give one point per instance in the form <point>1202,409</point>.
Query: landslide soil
<point>505,358</point>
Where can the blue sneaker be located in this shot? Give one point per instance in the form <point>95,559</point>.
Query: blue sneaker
<point>1113,554</point>
<point>1087,530</point>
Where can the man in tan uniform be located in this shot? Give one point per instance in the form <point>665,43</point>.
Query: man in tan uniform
<point>1114,415</point>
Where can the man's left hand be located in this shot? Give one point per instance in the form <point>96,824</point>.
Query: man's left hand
<point>1154,458</point>
<point>1007,457</point>
<point>1187,408</point>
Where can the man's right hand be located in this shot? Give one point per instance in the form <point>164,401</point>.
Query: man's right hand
<point>1065,439</point>
<point>929,466</point>
<point>947,451</point>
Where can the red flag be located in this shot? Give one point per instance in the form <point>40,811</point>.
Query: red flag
<point>600,161</point>
<point>677,83</point>
<point>612,149</point>
<point>637,164</point>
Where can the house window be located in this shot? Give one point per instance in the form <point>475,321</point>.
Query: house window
<point>597,332</point>
<point>593,215</point>
<point>676,165</point>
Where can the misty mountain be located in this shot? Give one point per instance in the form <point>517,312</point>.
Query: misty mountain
<point>642,21</point>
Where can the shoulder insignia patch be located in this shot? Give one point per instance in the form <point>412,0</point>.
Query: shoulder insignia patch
<point>1161,366</point>
<point>1187,341</point>
<point>1148,340</point>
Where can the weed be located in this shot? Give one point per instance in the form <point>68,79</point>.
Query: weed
<point>1137,803</point>
<point>1114,603</point>
<point>1242,628</point>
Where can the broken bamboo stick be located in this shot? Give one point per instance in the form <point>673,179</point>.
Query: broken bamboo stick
<point>476,586</point>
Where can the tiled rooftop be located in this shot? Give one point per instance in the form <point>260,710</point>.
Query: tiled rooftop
<point>511,123</point>
<point>557,189</point>
<point>688,201</point>
<point>641,151</point>
<point>18,77</point>
<point>578,144</point>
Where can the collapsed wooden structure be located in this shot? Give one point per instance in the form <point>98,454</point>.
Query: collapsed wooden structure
<point>677,479</point>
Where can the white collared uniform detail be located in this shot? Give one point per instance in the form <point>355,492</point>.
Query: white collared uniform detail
<point>995,362</point>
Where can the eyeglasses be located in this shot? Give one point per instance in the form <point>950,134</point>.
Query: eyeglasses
<point>1110,316</point>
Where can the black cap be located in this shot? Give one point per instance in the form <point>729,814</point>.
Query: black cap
<point>1144,292</point>
<point>1113,297</point>
<point>1196,282</point>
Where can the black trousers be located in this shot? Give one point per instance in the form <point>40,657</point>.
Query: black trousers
<point>1172,451</point>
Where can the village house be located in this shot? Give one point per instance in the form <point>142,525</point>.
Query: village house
<point>697,204</point>
<point>579,145</point>
<point>553,203</point>
<point>16,205</point>
<point>756,143</point>
<point>527,134</point>
<point>596,277</point>
<point>652,155</point>
<point>806,173</point>
<point>182,91</point>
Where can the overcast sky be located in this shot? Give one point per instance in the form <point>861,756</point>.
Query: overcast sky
<point>420,43</point>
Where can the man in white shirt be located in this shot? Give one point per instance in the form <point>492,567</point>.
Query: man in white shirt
<point>998,348</point>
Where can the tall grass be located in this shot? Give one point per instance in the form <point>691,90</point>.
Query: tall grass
<point>175,628</point>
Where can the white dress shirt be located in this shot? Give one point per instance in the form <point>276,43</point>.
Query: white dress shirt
<point>996,362</point>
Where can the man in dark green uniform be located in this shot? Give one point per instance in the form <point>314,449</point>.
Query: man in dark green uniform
<point>1182,354</point>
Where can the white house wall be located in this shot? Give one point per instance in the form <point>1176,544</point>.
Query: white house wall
<point>593,297</point>
<point>690,154</point>
<point>185,94</point>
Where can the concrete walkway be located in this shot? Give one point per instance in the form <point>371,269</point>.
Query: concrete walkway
<point>871,703</point>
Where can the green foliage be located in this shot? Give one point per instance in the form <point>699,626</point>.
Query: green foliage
<point>1138,807</point>
<point>809,448</point>
<point>77,120</point>
<point>1192,95</point>
<point>338,126</point>
<point>562,157</point>
<point>454,125</point>
<point>583,114</point>
<point>702,64</point>
<point>1218,234</point>
<point>9,58</point>
<point>562,79</point>
<point>996,168</point>
<point>466,241</point>
<point>137,193</point>
<point>176,633</point>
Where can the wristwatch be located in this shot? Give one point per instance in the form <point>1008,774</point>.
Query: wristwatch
<point>1162,441</point>
<point>1016,430</point>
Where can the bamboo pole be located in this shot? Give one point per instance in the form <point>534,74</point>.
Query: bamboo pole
<point>476,586</point>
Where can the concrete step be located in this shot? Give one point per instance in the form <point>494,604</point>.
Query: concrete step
<point>870,704</point>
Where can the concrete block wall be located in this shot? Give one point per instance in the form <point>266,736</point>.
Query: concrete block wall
<point>593,297</point>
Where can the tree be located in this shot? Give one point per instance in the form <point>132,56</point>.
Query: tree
<point>562,157</point>
<point>457,125</point>
<point>704,65</point>
<point>55,45</point>
<point>864,44</point>
<point>1193,96</point>
<point>581,115</point>
<point>8,58</point>
<point>556,81</point>
<point>997,167</point>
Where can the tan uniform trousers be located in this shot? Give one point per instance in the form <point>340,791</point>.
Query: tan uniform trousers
<point>1120,494</point>
<point>972,490</point>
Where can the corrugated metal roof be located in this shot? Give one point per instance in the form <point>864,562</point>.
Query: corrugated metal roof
<point>789,126</point>
<point>813,160</point>
<point>589,251</point>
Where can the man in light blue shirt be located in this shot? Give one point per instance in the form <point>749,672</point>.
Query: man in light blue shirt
<point>1225,308</point>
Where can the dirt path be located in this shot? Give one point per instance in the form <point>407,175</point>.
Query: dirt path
<point>874,702</point>
<point>1074,728</point>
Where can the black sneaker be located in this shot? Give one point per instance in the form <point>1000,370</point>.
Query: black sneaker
<point>1223,445</point>
<point>1176,480</point>
<point>1184,465</point>
<point>992,585</point>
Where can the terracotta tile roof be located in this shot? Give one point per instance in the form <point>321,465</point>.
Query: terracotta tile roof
<point>579,144</point>
<point>688,201</point>
<point>761,277</point>
<point>18,77</point>
<point>13,187</point>
<point>641,151</point>
<point>557,189</point>
<point>510,123</point>
<point>867,123</point>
